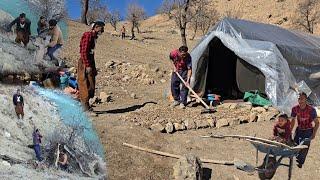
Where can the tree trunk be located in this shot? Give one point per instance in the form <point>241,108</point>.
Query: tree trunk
<point>138,30</point>
<point>183,36</point>
<point>84,11</point>
<point>132,32</point>
<point>183,23</point>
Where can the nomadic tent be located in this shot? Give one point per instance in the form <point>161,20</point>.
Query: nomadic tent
<point>238,56</point>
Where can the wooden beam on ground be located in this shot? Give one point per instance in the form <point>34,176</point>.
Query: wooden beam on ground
<point>177,156</point>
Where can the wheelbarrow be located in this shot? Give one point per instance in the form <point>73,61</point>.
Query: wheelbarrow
<point>275,153</point>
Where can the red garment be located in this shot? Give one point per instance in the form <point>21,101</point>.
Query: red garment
<point>179,62</point>
<point>305,116</point>
<point>87,45</point>
<point>282,132</point>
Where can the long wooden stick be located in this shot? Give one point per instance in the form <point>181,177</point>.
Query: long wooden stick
<point>192,91</point>
<point>251,138</point>
<point>177,156</point>
<point>257,139</point>
<point>57,158</point>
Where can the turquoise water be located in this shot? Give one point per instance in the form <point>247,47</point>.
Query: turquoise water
<point>71,113</point>
<point>16,7</point>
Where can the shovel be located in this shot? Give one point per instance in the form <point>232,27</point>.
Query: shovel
<point>208,109</point>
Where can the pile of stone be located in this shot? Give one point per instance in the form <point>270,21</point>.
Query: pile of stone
<point>119,73</point>
<point>160,118</point>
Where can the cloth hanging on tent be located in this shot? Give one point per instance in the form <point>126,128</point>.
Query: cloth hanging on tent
<point>256,98</point>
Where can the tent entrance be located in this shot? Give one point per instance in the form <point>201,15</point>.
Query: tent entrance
<point>228,75</point>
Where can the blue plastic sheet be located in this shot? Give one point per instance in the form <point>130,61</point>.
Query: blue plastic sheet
<point>71,113</point>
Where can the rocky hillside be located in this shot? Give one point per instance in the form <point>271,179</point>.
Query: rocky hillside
<point>276,12</point>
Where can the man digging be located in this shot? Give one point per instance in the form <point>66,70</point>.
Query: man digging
<point>182,64</point>
<point>86,65</point>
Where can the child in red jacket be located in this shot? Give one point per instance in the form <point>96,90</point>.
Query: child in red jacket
<point>282,129</point>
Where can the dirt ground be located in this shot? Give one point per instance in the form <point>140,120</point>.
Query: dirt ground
<point>151,51</point>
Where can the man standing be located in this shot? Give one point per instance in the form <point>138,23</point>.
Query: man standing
<point>123,32</point>
<point>86,64</point>
<point>36,136</point>
<point>307,128</point>
<point>56,40</point>
<point>23,31</point>
<point>19,104</point>
<point>182,65</point>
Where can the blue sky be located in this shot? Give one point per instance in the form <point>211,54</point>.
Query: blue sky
<point>149,5</point>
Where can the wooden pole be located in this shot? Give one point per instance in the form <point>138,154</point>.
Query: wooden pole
<point>275,143</point>
<point>176,156</point>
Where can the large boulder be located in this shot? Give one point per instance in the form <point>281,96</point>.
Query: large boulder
<point>222,122</point>
<point>188,168</point>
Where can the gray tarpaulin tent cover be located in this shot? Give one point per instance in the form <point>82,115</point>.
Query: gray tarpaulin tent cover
<point>249,54</point>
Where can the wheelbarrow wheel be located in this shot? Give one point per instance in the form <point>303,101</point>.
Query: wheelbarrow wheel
<point>267,172</point>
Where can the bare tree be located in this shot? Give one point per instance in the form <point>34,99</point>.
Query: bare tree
<point>49,8</point>
<point>113,18</point>
<point>180,15</point>
<point>203,16</point>
<point>97,11</point>
<point>84,11</point>
<point>135,14</point>
<point>166,8</point>
<point>307,14</point>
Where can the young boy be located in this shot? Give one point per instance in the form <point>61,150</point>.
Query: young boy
<point>282,130</point>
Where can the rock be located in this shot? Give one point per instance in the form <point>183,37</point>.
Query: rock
<point>188,168</point>
<point>163,80</point>
<point>7,134</point>
<point>93,100</point>
<point>133,96</point>
<point>27,77</point>
<point>228,106</point>
<point>190,124</point>
<point>233,106</point>
<point>258,110</point>
<point>179,127</point>
<point>110,64</point>
<point>149,81</point>
<point>126,78</point>
<point>156,69</point>
<point>169,127</point>
<point>246,106</point>
<point>104,97</point>
<point>244,119</point>
<point>267,116</point>
<point>234,121</point>
<point>157,127</point>
<point>253,117</point>
<point>273,109</point>
<point>6,163</point>
<point>222,122</point>
<point>211,122</point>
<point>35,112</point>
<point>202,124</point>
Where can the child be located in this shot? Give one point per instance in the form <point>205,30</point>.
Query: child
<point>282,130</point>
